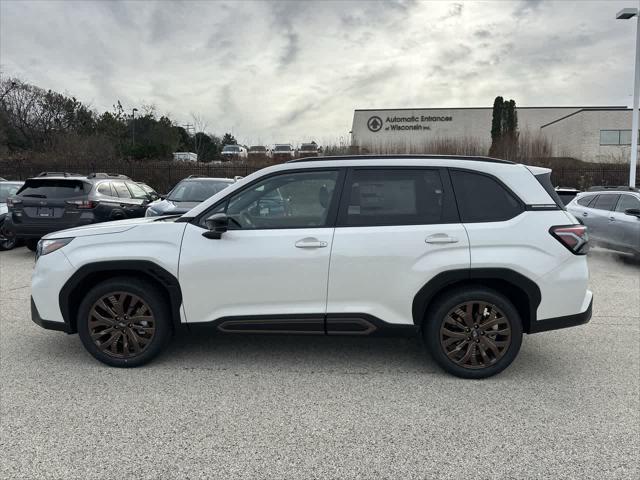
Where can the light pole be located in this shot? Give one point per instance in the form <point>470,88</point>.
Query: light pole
<point>626,14</point>
<point>133,126</point>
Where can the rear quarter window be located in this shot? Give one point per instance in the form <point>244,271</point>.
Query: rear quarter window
<point>482,198</point>
<point>584,201</point>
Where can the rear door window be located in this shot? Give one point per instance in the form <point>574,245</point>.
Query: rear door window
<point>482,198</point>
<point>605,202</point>
<point>379,197</point>
<point>54,188</point>
<point>121,189</point>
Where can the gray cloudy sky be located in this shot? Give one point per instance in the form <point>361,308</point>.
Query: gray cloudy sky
<point>288,71</point>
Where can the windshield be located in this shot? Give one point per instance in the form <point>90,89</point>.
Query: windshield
<point>8,189</point>
<point>283,148</point>
<point>196,191</point>
<point>231,148</point>
<point>258,149</point>
<point>308,146</point>
<point>53,188</point>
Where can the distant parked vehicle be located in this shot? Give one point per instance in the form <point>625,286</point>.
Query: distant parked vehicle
<point>612,216</point>
<point>283,152</point>
<point>187,194</point>
<point>7,189</point>
<point>55,201</point>
<point>185,157</point>
<point>234,152</point>
<point>258,151</point>
<point>153,195</point>
<point>566,194</point>
<point>308,150</point>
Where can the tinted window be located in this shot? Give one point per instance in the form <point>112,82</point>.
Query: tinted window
<point>136,190</point>
<point>393,197</point>
<point>105,189</point>
<point>54,188</point>
<point>482,199</point>
<point>121,189</point>
<point>605,202</point>
<point>294,200</point>
<point>584,201</point>
<point>196,190</point>
<point>6,190</point>
<point>627,201</point>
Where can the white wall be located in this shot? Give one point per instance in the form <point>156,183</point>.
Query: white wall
<point>467,123</point>
<point>579,136</point>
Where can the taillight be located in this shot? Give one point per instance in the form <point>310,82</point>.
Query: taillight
<point>574,237</point>
<point>82,204</point>
<point>13,202</point>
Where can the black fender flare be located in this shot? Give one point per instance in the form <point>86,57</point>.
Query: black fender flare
<point>90,274</point>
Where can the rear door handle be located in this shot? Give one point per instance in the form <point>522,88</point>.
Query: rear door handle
<point>440,238</point>
<point>612,219</point>
<point>310,242</point>
<point>585,214</point>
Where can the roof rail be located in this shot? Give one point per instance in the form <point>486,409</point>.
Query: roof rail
<point>613,188</point>
<point>476,158</point>
<point>107,175</point>
<point>58,174</point>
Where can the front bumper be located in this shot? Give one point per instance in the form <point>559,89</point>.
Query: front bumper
<point>562,322</point>
<point>47,324</point>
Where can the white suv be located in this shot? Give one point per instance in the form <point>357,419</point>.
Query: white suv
<point>468,252</point>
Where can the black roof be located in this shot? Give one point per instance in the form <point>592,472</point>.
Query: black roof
<point>392,157</point>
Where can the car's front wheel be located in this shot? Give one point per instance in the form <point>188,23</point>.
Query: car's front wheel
<point>473,332</point>
<point>124,322</point>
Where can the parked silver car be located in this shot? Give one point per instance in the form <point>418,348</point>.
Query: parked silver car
<point>612,215</point>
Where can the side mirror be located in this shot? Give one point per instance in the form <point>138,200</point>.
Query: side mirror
<point>217,224</point>
<point>633,211</point>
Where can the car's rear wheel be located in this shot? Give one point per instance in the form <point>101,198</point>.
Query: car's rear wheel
<point>7,243</point>
<point>32,245</point>
<point>124,322</point>
<point>473,332</point>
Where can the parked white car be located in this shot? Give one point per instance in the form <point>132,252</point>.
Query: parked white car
<point>234,152</point>
<point>468,252</point>
<point>283,152</point>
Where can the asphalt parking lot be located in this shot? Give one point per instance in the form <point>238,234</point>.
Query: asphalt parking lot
<point>337,407</point>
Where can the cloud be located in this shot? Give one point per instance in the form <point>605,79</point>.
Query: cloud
<point>291,71</point>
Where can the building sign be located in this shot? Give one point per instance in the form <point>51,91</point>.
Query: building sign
<point>413,122</point>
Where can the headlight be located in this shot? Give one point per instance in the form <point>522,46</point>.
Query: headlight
<point>48,246</point>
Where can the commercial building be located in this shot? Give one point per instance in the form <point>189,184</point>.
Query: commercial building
<point>591,134</point>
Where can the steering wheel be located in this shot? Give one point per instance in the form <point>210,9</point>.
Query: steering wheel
<point>247,219</point>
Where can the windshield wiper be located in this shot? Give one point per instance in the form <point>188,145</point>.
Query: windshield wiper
<point>35,195</point>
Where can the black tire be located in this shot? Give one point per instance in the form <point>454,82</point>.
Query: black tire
<point>32,245</point>
<point>158,310</point>
<point>7,243</point>
<point>443,325</point>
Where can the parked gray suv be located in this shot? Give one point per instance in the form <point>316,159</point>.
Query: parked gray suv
<point>612,215</point>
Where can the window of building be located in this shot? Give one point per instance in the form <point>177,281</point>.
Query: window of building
<point>482,199</point>
<point>615,137</point>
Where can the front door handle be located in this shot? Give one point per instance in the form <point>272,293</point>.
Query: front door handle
<point>585,214</point>
<point>310,242</point>
<point>440,238</point>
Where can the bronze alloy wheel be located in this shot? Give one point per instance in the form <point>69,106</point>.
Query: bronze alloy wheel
<point>475,334</point>
<point>121,324</point>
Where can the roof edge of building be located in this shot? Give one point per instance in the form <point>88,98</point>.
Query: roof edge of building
<point>594,107</point>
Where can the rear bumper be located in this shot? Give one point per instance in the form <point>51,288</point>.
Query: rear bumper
<point>562,322</point>
<point>47,324</point>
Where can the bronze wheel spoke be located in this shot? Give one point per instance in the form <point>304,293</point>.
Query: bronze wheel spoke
<point>472,339</point>
<point>121,324</point>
